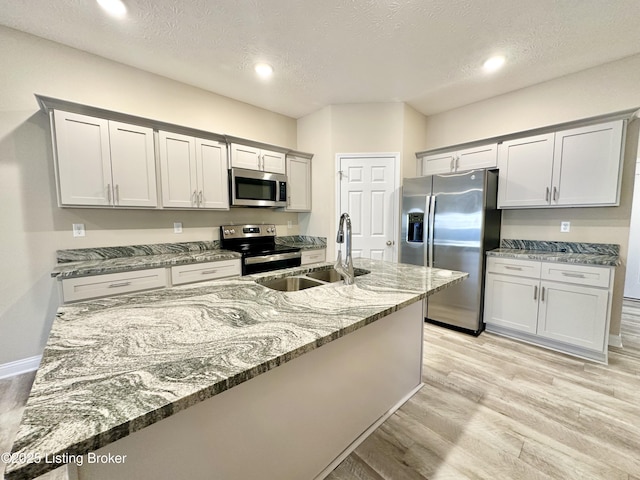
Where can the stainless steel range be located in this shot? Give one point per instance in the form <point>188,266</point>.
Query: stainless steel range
<point>257,244</point>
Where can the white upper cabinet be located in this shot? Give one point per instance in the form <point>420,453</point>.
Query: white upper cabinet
<point>525,171</point>
<point>103,163</point>
<point>298,184</point>
<point>577,167</point>
<point>484,156</point>
<point>252,158</point>
<point>194,172</point>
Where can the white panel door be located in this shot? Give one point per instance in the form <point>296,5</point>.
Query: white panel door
<point>367,194</point>
<point>511,302</point>
<point>573,314</point>
<point>178,168</point>
<point>587,165</point>
<point>273,161</point>
<point>298,184</point>
<point>632,279</point>
<point>133,165</point>
<point>243,156</point>
<point>525,171</point>
<point>83,159</point>
<point>211,171</point>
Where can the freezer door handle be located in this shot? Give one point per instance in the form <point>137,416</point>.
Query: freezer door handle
<point>432,220</point>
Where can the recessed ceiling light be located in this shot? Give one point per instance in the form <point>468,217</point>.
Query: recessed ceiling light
<point>493,64</point>
<point>113,7</point>
<point>264,70</point>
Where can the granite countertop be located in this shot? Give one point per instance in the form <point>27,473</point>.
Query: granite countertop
<point>102,260</point>
<point>116,365</point>
<point>565,252</point>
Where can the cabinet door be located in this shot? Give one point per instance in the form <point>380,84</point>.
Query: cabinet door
<point>133,165</point>
<point>438,163</point>
<point>213,184</point>
<point>573,314</point>
<point>83,159</point>
<point>511,302</point>
<point>273,161</point>
<point>485,156</point>
<point>298,184</point>
<point>243,156</point>
<point>525,171</point>
<point>178,169</point>
<point>586,167</point>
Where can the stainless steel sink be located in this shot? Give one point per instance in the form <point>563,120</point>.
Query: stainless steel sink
<point>332,274</point>
<point>291,284</point>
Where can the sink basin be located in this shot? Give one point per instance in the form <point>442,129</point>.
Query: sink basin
<point>332,274</point>
<point>291,284</point>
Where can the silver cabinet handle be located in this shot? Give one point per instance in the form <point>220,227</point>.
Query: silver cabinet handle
<point>457,162</point>
<point>542,295</point>
<point>208,272</point>
<point>121,284</point>
<point>546,197</point>
<point>109,193</point>
<point>555,194</point>
<point>535,292</point>
<point>194,198</point>
<point>509,267</point>
<point>116,196</point>
<point>452,163</point>
<point>200,198</point>
<point>574,275</point>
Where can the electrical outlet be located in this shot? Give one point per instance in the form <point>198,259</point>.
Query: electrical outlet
<point>177,227</point>
<point>78,230</point>
<point>565,227</point>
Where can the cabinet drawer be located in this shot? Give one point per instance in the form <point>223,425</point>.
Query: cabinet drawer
<point>579,274</point>
<point>512,266</point>
<point>75,289</point>
<point>313,256</point>
<point>199,272</point>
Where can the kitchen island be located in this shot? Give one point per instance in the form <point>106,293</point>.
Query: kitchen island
<point>182,382</point>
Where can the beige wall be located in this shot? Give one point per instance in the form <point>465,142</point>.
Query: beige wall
<point>353,128</point>
<point>597,91</point>
<point>34,227</point>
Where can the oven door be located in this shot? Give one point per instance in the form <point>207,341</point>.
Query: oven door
<point>266,263</point>
<point>253,188</point>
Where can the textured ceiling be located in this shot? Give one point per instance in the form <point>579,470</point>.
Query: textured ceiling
<point>427,53</point>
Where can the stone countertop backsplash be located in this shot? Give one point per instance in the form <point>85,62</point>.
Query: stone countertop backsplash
<point>116,365</point>
<point>604,254</point>
<point>102,260</point>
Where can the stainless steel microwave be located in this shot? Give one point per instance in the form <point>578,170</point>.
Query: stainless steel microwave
<point>252,188</point>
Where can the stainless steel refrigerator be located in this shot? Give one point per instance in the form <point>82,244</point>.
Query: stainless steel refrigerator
<point>449,221</point>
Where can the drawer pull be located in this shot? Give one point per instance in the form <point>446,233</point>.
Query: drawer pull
<point>546,197</point>
<point>121,284</point>
<point>574,275</point>
<point>542,295</point>
<point>509,267</point>
<point>535,292</point>
<point>208,272</point>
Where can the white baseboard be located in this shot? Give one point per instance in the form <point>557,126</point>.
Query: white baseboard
<point>615,341</point>
<point>24,365</point>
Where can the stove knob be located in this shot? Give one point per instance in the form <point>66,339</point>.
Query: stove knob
<point>232,231</point>
<point>226,232</point>
<point>269,230</point>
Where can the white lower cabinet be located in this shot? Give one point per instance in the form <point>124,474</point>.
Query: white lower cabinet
<point>313,256</point>
<point>110,284</point>
<point>565,307</point>
<point>83,288</point>
<point>199,272</point>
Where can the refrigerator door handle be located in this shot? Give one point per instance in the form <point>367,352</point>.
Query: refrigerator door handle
<point>432,221</point>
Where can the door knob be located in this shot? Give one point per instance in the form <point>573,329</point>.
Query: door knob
<point>389,243</point>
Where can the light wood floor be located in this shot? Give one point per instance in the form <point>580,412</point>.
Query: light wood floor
<point>491,408</point>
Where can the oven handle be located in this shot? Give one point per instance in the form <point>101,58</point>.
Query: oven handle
<point>271,258</point>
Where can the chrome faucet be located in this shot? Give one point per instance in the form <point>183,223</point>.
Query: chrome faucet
<point>345,269</point>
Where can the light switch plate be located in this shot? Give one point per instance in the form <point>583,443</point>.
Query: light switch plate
<point>78,230</point>
<point>177,227</point>
<point>565,227</point>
